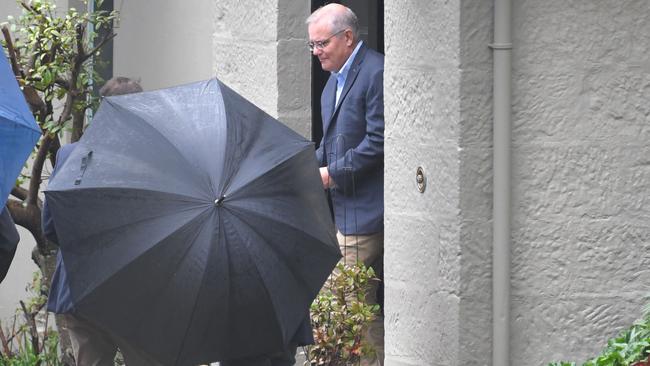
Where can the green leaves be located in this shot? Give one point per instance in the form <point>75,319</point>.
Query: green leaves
<point>631,347</point>
<point>23,344</point>
<point>54,51</point>
<point>340,315</point>
<point>26,355</point>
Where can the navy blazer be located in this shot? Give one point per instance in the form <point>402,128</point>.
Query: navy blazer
<point>8,242</point>
<point>353,145</point>
<point>59,300</point>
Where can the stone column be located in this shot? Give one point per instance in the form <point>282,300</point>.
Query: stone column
<point>263,55</point>
<point>438,116</point>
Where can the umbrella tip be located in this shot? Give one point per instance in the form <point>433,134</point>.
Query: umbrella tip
<point>219,201</point>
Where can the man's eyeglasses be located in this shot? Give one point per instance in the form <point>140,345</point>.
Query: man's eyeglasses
<point>319,45</point>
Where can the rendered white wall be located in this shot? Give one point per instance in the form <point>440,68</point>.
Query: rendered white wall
<point>422,231</point>
<point>581,232</point>
<point>475,183</point>
<point>263,55</point>
<point>245,50</point>
<point>581,225</point>
<point>294,66</point>
<point>164,43</point>
<point>8,8</point>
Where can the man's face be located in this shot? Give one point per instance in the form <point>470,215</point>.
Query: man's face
<point>336,47</point>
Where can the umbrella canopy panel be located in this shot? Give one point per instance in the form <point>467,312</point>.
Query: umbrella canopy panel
<point>192,224</point>
<point>18,130</point>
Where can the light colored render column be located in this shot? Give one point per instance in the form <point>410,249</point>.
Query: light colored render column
<point>581,224</point>
<point>294,66</point>
<point>438,85</point>
<point>245,50</point>
<point>422,230</point>
<point>581,184</point>
<point>263,55</point>
<point>476,200</point>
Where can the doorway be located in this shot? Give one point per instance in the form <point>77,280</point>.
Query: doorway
<point>103,64</point>
<point>371,30</point>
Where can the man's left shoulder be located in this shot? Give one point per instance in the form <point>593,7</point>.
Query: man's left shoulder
<point>374,58</point>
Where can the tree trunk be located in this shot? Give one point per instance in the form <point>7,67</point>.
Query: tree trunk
<point>44,255</point>
<point>47,265</point>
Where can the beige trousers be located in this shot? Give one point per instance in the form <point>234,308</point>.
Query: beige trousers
<point>369,249</point>
<point>92,346</point>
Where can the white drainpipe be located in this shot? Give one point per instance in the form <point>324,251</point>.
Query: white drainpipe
<point>502,53</point>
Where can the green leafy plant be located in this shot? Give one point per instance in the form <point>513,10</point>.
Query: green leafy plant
<point>27,355</point>
<point>23,344</point>
<point>340,314</point>
<point>629,348</point>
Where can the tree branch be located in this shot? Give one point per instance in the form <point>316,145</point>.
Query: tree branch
<point>80,30</point>
<point>99,46</point>
<point>62,83</point>
<point>29,217</point>
<point>29,8</point>
<point>74,93</point>
<point>33,331</point>
<point>12,51</point>
<point>19,192</point>
<point>54,149</point>
<point>37,170</point>
<point>5,344</point>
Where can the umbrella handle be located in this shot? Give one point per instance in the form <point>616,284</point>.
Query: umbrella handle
<point>84,164</point>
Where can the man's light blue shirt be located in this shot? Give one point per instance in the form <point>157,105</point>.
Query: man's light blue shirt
<point>342,75</point>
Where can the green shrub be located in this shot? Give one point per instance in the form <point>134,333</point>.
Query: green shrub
<point>22,344</point>
<point>339,316</point>
<point>631,347</point>
<point>26,355</point>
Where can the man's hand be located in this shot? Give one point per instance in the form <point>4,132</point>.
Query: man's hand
<point>328,182</point>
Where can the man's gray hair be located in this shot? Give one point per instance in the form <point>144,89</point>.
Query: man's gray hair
<point>337,20</point>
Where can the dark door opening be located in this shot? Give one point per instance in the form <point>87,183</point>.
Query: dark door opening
<point>371,29</point>
<point>103,64</point>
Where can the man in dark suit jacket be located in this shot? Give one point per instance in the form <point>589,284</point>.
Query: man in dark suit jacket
<point>8,241</point>
<point>351,153</point>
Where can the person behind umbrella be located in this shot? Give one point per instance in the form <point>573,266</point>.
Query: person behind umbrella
<point>8,242</point>
<point>351,153</point>
<point>90,344</point>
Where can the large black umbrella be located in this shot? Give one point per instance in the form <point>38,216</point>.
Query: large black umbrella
<point>193,225</point>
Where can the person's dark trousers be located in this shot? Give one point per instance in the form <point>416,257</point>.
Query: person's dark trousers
<point>287,358</point>
<point>8,242</point>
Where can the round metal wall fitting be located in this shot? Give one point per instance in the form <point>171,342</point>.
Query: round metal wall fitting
<point>420,179</point>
